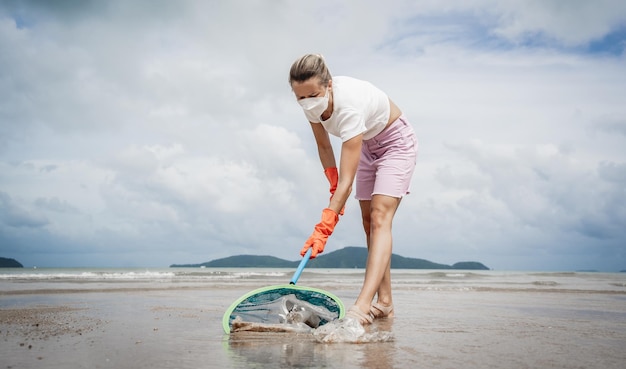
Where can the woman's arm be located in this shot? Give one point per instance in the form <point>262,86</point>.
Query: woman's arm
<point>349,162</point>
<point>350,154</point>
<point>324,147</point>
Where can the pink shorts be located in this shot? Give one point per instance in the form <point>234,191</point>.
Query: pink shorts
<point>387,162</point>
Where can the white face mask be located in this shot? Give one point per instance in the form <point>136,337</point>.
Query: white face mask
<point>314,106</point>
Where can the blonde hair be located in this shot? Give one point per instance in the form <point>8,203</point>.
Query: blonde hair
<point>309,66</point>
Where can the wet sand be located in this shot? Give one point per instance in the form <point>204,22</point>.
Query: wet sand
<point>175,327</point>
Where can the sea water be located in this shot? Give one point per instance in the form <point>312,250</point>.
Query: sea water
<point>415,279</point>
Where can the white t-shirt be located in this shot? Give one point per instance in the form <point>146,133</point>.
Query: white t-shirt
<point>358,107</point>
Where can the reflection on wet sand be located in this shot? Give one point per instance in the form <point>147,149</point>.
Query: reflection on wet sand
<point>287,350</point>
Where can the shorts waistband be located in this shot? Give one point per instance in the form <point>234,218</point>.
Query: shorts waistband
<point>402,119</point>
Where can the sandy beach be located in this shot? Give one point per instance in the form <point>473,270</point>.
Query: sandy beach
<point>170,326</point>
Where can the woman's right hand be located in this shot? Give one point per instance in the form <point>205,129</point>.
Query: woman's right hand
<point>317,240</point>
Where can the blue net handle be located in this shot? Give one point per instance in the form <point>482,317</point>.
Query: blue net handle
<point>305,259</point>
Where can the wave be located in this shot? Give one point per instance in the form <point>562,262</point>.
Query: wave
<point>444,275</point>
<point>56,275</point>
<point>545,283</point>
<point>555,274</point>
<point>89,276</point>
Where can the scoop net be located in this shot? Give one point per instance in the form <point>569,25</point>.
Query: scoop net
<point>282,308</point>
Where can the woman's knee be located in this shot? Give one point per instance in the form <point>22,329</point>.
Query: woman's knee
<point>382,212</point>
<point>379,218</point>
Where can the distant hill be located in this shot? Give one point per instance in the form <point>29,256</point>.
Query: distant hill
<point>10,263</point>
<point>348,257</point>
<point>248,261</point>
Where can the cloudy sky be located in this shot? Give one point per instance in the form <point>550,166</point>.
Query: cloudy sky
<point>148,133</point>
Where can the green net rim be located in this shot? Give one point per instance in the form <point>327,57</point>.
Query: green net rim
<point>229,311</point>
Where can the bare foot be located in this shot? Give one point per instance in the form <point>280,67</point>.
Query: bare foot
<point>381,311</point>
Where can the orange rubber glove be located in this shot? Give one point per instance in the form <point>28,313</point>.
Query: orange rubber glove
<point>333,178</point>
<point>323,229</point>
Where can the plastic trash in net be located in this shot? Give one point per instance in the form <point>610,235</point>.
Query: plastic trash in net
<point>298,311</point>
<point>284,314</point>
<point>239,325</point>
<point>349,330</point>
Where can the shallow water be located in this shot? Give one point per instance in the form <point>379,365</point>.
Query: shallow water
<point>171,318</point>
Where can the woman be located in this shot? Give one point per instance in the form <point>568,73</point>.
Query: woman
<point>379,148</point>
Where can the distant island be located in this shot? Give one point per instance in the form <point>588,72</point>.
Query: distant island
<point>10,263</point>
<point>348,257</point>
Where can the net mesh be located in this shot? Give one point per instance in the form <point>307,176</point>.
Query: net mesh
<point>284,307</point>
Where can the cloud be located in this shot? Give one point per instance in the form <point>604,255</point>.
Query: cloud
<point>612,127</point>
<point>14,215</point>
<point>547,189</point>
<point>149,135</point>
<point>595,27</point>
<point>55,204</point>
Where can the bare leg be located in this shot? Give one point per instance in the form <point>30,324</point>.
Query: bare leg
<point>377,220</point>
<point>384,290</point>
